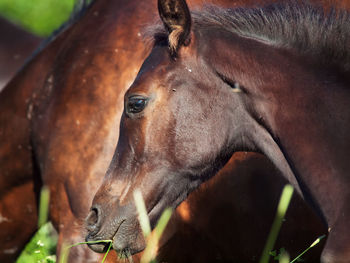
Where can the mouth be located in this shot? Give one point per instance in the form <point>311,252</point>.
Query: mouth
<point>102,247</point>
<point>124,232</point>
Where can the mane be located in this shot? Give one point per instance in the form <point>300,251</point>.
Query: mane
<point>308,29</point>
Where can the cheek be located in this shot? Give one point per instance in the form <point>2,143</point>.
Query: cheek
<point>199,135</point>
<point>158,128</point>
<point>192,143</point>
<point>179,130</point>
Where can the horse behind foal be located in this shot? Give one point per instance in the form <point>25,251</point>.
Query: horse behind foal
<point>272,80</point>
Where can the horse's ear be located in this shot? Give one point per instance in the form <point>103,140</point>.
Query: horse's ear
<point>177,20</point>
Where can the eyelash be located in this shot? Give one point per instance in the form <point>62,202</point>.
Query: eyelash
<point>233,84</point>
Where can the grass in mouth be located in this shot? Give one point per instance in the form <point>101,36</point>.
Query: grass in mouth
<point>65,250</point>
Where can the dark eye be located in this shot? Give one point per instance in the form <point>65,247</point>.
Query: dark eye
<point>136,104</point>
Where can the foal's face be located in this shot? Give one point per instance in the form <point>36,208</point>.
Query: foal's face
<point>183,117</point>
<point>174,133</point>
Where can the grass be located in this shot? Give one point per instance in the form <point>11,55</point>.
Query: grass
<point>284,202</point>
<point>42,247</point>
<point>35,251</point>
<point>65,251</point>
<point>44,206</point>
<point>152,237</point>
<point>283,256</point>
<point>306,250</point>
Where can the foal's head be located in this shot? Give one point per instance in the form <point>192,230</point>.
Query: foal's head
<point>185,114</point>
<point>175,131</point>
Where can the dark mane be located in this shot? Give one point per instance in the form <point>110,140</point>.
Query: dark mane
<point>297,25</point>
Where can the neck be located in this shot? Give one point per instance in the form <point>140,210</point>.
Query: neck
<point>299,118</point>
<point>307,145</point>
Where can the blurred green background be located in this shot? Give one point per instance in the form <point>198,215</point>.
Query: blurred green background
<point>40,17</point>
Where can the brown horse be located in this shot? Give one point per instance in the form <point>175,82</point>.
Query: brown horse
<point>59,124</point>
<point>271,79</point>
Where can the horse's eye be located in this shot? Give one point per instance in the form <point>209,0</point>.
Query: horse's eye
<point>136,104</point>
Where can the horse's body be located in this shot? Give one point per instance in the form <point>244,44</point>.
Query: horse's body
<point>59,124</point>
<point>273,80</point>
<point>15,46</point>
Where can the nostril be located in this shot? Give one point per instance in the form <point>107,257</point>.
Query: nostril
<point>92,218</point>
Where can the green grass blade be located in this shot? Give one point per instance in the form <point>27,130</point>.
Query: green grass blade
<point>152,238</point>
<point>150,252</point>
<point>311,246</point>
<point>43,206</point>
<point>64,254</point>
<point>105,256</point>
<point>162,223</point>
<point>286,196</point>
<point>142,212</point>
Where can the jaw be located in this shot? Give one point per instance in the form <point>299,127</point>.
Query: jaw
<point>163,182</point>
